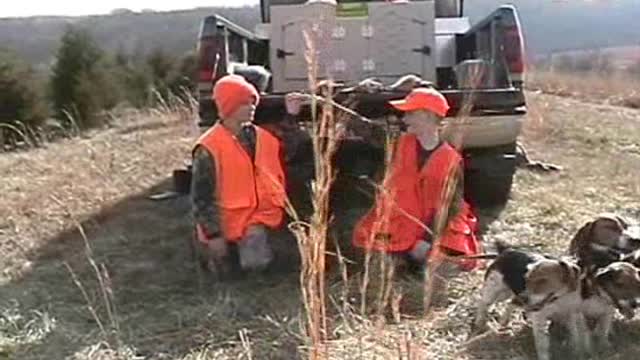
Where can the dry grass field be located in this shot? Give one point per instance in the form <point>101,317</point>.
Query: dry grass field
<point>616,88</point>
<point>90,268</point>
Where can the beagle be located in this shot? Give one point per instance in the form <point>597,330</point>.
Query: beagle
<point>604,240</point>
<point>547,289</point>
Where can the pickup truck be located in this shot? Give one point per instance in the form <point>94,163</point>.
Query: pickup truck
<point>385,40</point>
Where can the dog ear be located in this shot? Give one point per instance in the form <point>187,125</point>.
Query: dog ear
<point>606,274</point>
<point>581,237</point>
<point>570,274</point>
<point>622,222</point>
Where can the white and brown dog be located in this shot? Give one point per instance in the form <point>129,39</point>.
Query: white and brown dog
<point>615,286</point>
<point>604,240</point>
<point>607,249</point>
<point>546,287</point>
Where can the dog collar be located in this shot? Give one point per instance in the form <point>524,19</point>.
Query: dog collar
<point>547,300</point>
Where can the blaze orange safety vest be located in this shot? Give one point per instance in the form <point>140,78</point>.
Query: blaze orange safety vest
<point>248,192</point>
<point>416,194</point>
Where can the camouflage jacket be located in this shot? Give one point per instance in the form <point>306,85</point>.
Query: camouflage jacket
<point>203,183</point>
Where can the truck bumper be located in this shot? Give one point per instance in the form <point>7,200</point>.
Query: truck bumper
<point>482,131</point>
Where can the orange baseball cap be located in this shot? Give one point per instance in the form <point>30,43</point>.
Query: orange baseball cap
<point>233,91</point>
<point>423,99</point>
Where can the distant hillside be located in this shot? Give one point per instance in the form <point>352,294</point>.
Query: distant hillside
<point>549,25</point>
<point>37,38</point>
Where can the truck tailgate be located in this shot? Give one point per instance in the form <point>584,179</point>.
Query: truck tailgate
<point>375,105</point>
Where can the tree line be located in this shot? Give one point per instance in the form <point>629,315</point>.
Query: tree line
<point>83,84</point>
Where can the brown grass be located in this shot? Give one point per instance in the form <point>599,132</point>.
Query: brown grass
<point>101,180</point>
<point>614,88</point>
<point>80,176</point>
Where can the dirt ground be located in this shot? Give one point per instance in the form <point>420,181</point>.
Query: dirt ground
<point>52,305</point>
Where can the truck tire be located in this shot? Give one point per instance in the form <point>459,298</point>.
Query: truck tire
<point>489,175</point>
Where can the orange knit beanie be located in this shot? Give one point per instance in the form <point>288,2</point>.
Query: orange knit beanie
<point>231,92</point>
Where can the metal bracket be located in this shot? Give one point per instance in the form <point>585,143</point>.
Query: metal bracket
<point>281,54</point>
<point>425,50</point>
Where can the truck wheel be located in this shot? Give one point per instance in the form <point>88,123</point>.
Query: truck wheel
<point>489,176</point>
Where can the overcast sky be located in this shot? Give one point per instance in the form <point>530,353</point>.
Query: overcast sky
<point>13,8</point>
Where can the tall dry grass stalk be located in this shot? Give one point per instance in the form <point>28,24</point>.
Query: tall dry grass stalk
<point>246,344</point>
<point>24,136</point>
<point>111,334</point>
<point>312,235</point>
<point>383,213</point>
<point>325,141</point>
<point>14,129</point>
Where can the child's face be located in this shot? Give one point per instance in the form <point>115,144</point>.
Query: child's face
<point>420,122</point>
<point>244,113</point>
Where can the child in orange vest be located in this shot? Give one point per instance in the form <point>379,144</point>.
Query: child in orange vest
<point>413,195</point>
<point>238,186</point>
